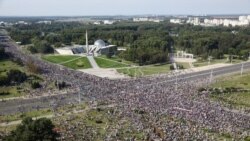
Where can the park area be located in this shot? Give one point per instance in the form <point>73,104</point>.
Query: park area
<point>110,63</point>
<point>70,61</point>
<point>149,69</point>
<point>236,90</point>
<point>9,91</point>
<point>16,89</point>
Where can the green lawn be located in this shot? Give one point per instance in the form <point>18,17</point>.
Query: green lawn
<point>15,90</point>
<point>19,116</point>
<point>70,61</point>
<point>237,98</point>
<point>234,81</point>
<point>145,70</point>
<point>7,65</point>
<point>10,91</point>
<point>117,59</point>
<point>81,63</point>
<point>109,63</point>
<point>201,63</point>
<point>59,58</point>
<point>212,62</point>
<point>148,70</point>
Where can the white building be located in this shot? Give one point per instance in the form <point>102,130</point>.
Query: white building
<point>22,22</point>
<point>147,19</point>
<point>44,22</point>
<point>97,23</point>
<point>108,22</point>
<point>175,21</point>
<point>98,48</point>
<point>248,17</point>
<point>193,20</point>
<point>242,18</point>
<point>142,19</point>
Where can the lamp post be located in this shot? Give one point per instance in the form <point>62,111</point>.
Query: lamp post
<point>211,76</point>
<point>242,69</point>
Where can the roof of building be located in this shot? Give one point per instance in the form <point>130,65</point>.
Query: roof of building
<point>100,43</point>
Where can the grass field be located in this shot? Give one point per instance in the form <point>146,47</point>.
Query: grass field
<point>148,70</point>
<point>10,91</point>
<point>109,63</point>
<point>59,58</point>
<point>200,63</point>
<point>70,61</point>
<point>20,116</point>
<point>237,98</point>
<point>212,62</point>
<point>7,65</point>
<point>117,59</point>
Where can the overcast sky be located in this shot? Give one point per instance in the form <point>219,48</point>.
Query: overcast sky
<point>121,7</point>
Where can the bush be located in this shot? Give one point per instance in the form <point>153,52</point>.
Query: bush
<point>41,47</point>
<point>99,121</point>
<point>32,67</point>
<point>16,76</point>
<point>80,64</point>
<point>33,130</point>
<point>35,85</point>
<point>4,93</point>
<point>201,89</point>
<point>180,66</point>
<point>4,81</point>
<point>60,85</point>
<point>171,67</point>
<point>32,49</point>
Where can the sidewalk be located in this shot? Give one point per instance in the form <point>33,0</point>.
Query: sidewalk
<point>93,62</point>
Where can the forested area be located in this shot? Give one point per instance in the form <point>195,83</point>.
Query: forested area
<point>147,43</point>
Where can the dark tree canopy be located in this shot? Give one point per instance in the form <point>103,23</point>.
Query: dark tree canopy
<point>146,43</point>
<point>16,76</point>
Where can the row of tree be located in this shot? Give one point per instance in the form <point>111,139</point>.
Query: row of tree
<point>146,42</point>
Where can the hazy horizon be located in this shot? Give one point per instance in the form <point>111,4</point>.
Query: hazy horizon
<point>114,7</point>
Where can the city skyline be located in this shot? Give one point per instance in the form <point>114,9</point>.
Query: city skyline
<point>129,7</point>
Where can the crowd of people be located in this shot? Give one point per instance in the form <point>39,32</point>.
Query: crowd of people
<point>154,98</point>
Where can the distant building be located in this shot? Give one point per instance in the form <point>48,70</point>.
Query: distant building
<point>142,19</point>
<point>242,21</point>
<point>44,22</point>
<point>183,54</point>
<point>147,19</point>
<point>22,23</point>
<point>108,22</point>
<point>97,23</point>
<point>193,20</point>
<point>176,21</point>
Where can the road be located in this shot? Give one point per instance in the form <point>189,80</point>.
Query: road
<point>24,105</point>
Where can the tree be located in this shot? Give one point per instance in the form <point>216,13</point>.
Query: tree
<point>33,130</point>
<point>35,85</point>
<point>3,55</point>
<point>16,76</point>
<point>44,47</point>
<point>32,67</point>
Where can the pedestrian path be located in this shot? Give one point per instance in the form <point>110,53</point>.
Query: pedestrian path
<point>93,62</point>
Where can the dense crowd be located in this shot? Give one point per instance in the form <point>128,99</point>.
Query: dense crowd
<point>154,97</point>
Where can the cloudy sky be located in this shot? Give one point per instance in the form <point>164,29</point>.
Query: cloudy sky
<point>121,7</point>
